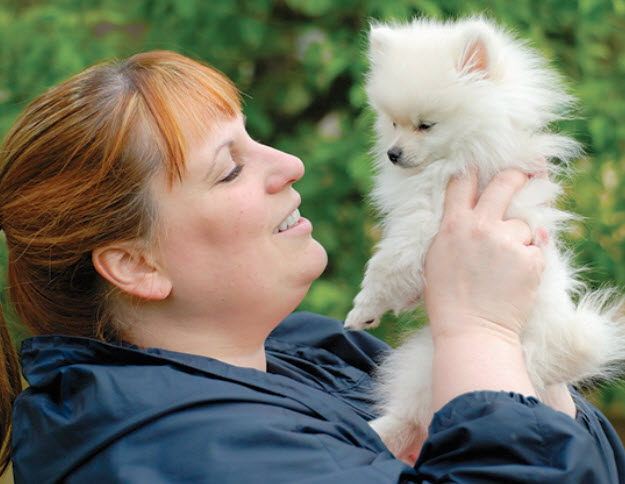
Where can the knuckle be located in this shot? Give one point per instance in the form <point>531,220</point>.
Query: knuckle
<point>510,178</point>
<point>536,259</point>
<point>508,242</point>
<point>450,223</point>
<point>481,228</point>
<point>541,263</point>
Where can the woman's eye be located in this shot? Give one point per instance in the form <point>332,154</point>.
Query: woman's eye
<point>232,175</point>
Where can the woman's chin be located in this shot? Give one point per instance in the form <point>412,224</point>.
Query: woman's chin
<point>316,260</point>
<point>322,257</point>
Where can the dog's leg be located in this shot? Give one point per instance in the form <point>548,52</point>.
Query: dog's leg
<point>393,281</point>
<point>404,395</point>
<point>404,438</point>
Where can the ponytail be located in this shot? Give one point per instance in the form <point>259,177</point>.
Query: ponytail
<point>10,387</point>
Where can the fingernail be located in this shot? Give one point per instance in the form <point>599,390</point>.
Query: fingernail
<point>542,236</point>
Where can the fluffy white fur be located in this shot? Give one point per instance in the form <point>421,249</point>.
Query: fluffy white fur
<point>449,96</point>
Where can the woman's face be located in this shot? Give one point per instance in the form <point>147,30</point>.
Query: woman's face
<point>231,239</point>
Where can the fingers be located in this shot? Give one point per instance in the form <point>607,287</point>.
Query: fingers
<point>518,230</point>
<point>461,193</point>
<point>535,258</point>
<point>541,237</point>
<point>496,197</point>
<point>492,204</point>
<point>542,170</point>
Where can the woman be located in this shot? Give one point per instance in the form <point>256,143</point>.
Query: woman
<point>156,248</point>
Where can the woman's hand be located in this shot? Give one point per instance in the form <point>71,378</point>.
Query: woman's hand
<point>481,269</point>
<point>481,277</point>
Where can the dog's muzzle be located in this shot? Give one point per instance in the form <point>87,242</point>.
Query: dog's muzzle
<point>394,154</point>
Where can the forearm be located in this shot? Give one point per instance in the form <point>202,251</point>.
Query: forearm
<point>481,359</point>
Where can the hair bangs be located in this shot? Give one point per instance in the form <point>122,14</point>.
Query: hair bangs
<point>183,99</point>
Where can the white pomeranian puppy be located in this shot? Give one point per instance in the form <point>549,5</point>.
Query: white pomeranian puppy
<point>449,96</point>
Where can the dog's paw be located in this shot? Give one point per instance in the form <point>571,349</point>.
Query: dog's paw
<point>404,438</point>
<point>361,319</point>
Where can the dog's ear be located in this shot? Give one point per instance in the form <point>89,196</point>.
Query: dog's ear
<point>474,55</point>
<point>379,40</point>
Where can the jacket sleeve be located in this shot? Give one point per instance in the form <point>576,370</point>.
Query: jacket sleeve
<point>501,437</point>
<point>483,437</point>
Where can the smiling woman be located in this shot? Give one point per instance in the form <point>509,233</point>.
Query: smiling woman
<point>156,251</point>
<point>226,227</point>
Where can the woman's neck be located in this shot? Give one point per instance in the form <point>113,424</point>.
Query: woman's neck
<point>228,341</point>
<point>249,353</point>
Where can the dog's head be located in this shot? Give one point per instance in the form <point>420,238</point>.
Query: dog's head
<point>449,90</point>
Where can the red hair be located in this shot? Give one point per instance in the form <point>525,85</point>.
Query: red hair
<point>74,173</point>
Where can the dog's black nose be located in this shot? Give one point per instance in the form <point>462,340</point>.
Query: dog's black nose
<point>394,154</point>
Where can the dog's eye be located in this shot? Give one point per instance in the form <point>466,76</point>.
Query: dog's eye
<point>425,126</point>
<point>394,124</point>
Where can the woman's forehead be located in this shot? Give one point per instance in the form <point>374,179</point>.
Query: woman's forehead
<point>215,132</point>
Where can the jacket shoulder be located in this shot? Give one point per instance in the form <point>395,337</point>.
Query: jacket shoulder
<point>356,348</point>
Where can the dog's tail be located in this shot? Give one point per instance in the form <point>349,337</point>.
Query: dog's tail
<point>600,337</point>
<point>581,343</point>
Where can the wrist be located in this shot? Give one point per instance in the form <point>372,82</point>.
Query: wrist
<point>484,358</point>
<point>471,328</point>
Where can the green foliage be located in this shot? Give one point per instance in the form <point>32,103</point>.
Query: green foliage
<point>300,64</point>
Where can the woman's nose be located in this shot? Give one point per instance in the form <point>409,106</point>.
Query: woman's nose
<point>284,169</point>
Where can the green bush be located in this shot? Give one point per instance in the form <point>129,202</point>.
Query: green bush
<point>300,64</point>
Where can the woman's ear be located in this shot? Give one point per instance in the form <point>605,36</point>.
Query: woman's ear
<point>127,266</point>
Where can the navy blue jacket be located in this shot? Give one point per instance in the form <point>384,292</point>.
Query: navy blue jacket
<point>104,413</point>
